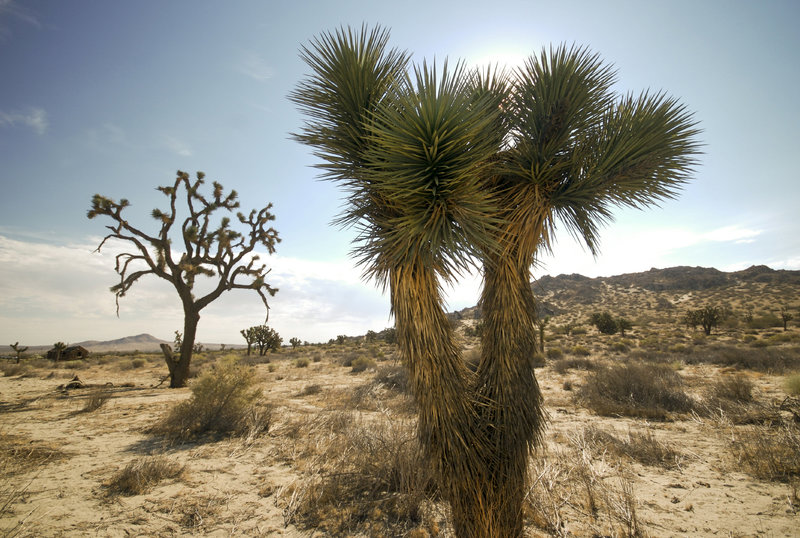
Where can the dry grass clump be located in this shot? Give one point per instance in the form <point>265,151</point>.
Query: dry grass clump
<point>768,453</point>
<point>394,377</point>
<point>572,491</point>
<point>366,479</point>
<point>11,369</point>
<point>773,359</point>
<point>792,384</point>
<point>573,363</point>
<point>735,388</point>
<point>635,390</point>
<point>642,447</point>
<point>96,400</point>
<point>20,454</point>
<point>142,474</point>
<point>223,402</point>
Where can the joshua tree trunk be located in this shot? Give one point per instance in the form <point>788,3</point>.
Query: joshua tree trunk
<point>511,402</point>
<point>448,426</point>
<point>179,366</point>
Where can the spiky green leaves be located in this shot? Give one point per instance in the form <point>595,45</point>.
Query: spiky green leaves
<point>428,147</point>
<point>409,149</point>
<point>351,73</point>
<point>579,149</point>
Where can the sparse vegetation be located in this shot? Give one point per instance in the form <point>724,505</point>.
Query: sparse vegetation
<point>142,474</point>
<point>224,401</point>
<point>636,390</point>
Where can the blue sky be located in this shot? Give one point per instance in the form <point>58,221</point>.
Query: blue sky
<point>114,97</point>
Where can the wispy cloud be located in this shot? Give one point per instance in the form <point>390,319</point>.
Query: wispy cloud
<point>34,118</point>
<point>51,292</point>
<point>11,12</point>
<point>255,67</point>
<point>734,233</point>
<point>177,146</point>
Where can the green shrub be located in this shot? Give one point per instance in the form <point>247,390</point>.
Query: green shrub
<point>302,362</point>
<point>554,353</point>
<point>637,390</point>
<point>362,363</point>
<point>619,347</point>
<point>580,351</point>
<point>223,402</point>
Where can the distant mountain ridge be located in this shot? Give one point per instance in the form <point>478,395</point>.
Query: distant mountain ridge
<point>141,342</point>
<point>558,293</point>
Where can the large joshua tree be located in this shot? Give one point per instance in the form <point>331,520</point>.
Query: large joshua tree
<point>203,248</point>
<point>444,170</point>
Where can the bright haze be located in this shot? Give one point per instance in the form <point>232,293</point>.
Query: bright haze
<point>114,97</point>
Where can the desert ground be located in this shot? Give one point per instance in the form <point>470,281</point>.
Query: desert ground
<point>329,447</point>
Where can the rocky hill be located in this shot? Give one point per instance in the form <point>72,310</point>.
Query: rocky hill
<point>664,292</point>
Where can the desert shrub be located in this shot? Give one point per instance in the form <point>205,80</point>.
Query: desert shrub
<point>554,353</point>
<point>580,351</point>
<point>302,362</point>
<point>11,369</point>
<point>768,453</point>
<point>735,388</point>
<point>792,384</point>
<point>362,363</point>
<point>575,363</point>
<point>348,358</point>
<point>385,489</point>
<point>604,322</point>
<point>638,390</point>
<point>770,360</point>
<point>141,475</point>
<point>310,390</point>
<point>394,378</point>
<point>619,347</point>
<point>138,362</point>
<point>765,322</point>
<point>316,356</point>
<point>223,402</point>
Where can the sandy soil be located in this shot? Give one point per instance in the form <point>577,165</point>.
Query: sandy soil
<point>234,487</point>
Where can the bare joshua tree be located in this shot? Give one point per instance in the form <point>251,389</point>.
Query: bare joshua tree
<point>211,250</point>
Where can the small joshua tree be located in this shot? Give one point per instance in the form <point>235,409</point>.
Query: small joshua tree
<point>786,316</point>
<point>19,350</point>
<point>624,325</point>
<point>249,337</point>
<point>264,337</point>
<point>59,348</point>
<point>295,342</point>
<point>707,317</point>
<point>212,250</point>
